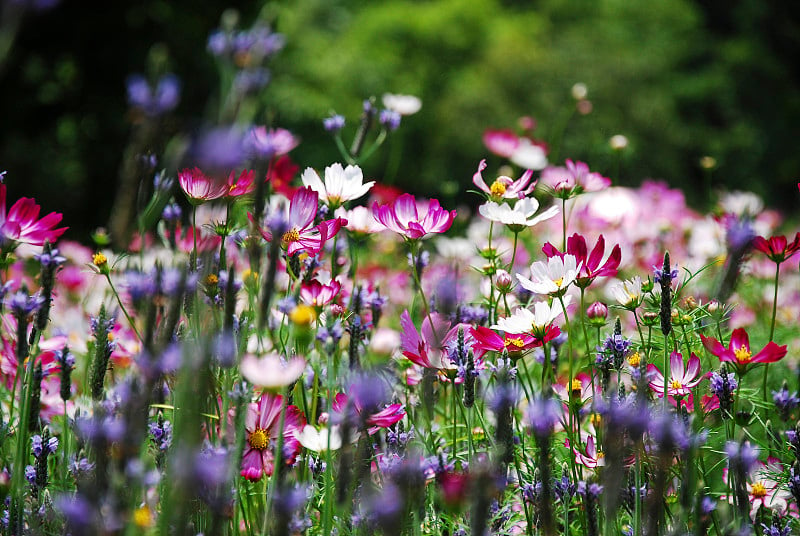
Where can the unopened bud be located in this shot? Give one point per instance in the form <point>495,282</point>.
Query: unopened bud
<point>597,313</point>
<point>690,303</point>
<point>504,281</point>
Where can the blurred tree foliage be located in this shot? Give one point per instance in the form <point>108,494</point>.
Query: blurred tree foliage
<point>681,79</point>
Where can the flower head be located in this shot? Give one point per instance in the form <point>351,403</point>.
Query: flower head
<point>683,378</point>
<point>628,293</point>
<point>504,187</point>
<point>590,263</point>
<point>341,184</point>
<point>271,371</point>
<point>777,248</point>
<point>739,352</point>
<point>261,425</point>
<point>520,216</point>
<point>20,225</point>
<point>404,218</point>
<point>552,278</point>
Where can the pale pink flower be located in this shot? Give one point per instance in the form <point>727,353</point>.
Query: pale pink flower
<point>403,217</point>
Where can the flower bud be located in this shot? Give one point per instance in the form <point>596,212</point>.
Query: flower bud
<point>504,281</point>
<point>597,313</point>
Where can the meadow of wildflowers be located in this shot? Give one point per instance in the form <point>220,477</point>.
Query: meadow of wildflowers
<point>287,352</point>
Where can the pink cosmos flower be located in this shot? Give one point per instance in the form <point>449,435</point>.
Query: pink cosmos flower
<point>403,217</point>
<point>582,390</point>
<point>739,352</point>
<point>777,248</point>
<point>504,187</point>
<point>592,458</point>
<point>242,185</point>
<point>316,294</point>
<point>574,179</point>
<point>20,223</point>
<point>302,235</point>
<point>487,340</point>
<point>272,142</point>
<point>380,419</point>
<point>426,349</point>
<point>682,378</point>
<point>764,490</point>
<point>589,263</point>
<point>261,425</point>
<point>200,188</point>
<point>501,142</point>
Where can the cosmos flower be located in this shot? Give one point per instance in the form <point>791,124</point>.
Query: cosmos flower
<point>538,323</point>
<point>590,263</point>
<point>383,418</point>
<point>682,378</point>
<point>316,294</point>
<point>552,278</point>
<point>341,184</point>
<point>739,352</point>
<point>520,216</point>
<point>777,248</point>
<point>261,426</point>
<point>573,179</point>
<point>426,348</point>
<point>582,389</point>
<point>319,440</point>
<point>271,371</point>
<point>592,458</point>
<point>402,104</point>
<point>200,188</point>
<point>487,340</point>
<point>21,224</point>
<point>504,187</point>
<point>403,217</point>
<point>627,293</point>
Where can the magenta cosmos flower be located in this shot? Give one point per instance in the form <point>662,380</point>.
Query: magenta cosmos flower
<point>316,294</point>
<point>504,187</point>
<point>302,234</point>
<point>21,224</point>
<point>261,425</point>
<point>200,188</point>
<point>426,349</point>
<point>682,378</point>
<point>739,352</point>
<point>591,265</point>
<point>777,248</point>
<point>487,340</point>
<point>403,217</point>
<point>380,419</point>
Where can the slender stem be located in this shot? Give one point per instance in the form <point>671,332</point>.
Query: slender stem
<point>124,310</point>
<point>194,237</point>
<point>772,327</point>
<point>563,224</point>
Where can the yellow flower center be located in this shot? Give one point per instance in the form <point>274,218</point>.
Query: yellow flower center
<point>516,342</point>
<point>211,280</point>
<point>302,315</point>
<point>249,276</point>
<point>635,359</point>
<point>742,354</point>
<point>259,439</point>
<point>143,517</point>
<point>558,281</point>
<point>99,260</point>
<point>596,420</point>
<point>758,490</point>
<point>675,384</point>
<point>292,235</point>
<point>497,188</point>
<point>600,455</point>
<point>576,386</point>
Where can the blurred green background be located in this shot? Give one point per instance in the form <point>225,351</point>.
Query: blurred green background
<point>680,79</point>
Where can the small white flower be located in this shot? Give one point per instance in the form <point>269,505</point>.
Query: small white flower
<point>359,220</point>
<point>318,440</point>
<point>525,321</point>
<point>627,293</point>
<point>402,104</point>
<point>551,278</point>
<point>341,184</point>
<point>529,156</point>
<point>519,217</point>
<point>271,371</point>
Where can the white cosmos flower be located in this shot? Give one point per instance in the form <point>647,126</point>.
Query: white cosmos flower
<point>529,156</point>
<point>317,440</point>
<point>359,220</point>
<point>271,371</point>
<point>341,184</point>
<point>402,104</point>
<point>524,321</point>
<point>551,278</point>
<point>627,293</point>
<point>519,217</point>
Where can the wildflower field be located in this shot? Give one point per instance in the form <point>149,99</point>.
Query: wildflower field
<point>297,348</point>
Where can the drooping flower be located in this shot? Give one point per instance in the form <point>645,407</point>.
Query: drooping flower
<point>341,184</point>
<point>21,224</point>
<point>301,234</point>
<point>504,187</point>
<point>682,378</point>
<point>261,424</point>
<point>552,278</point>
<point>590,263</point>
<point>403,217</point>
<point>739,352</point>
<point>777,248</point>
<point>520,216</point>
<point>271,371</point>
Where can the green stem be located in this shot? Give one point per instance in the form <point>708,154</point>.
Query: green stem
<point>124,310</point>
<point>772,327</point>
